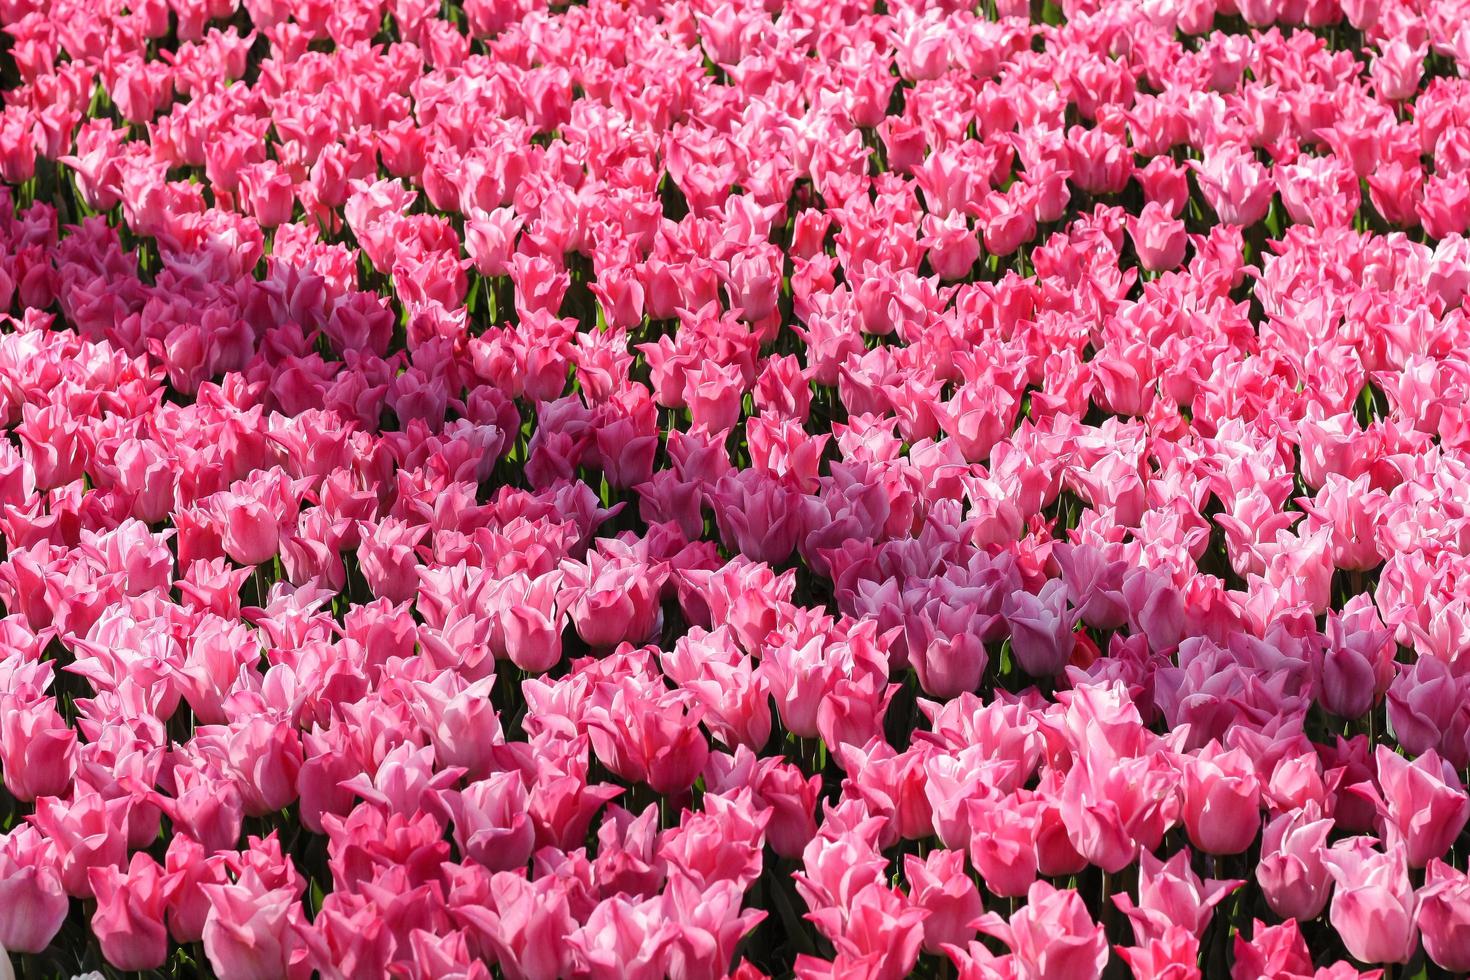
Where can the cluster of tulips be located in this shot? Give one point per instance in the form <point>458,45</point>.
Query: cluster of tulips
<point>703,488</point>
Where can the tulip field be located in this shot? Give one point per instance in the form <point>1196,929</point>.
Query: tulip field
<point>629,489</point>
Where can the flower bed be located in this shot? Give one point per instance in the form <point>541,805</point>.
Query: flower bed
<point>642,489</point>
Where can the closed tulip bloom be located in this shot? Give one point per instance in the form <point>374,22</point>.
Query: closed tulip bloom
<point>1003,846</point>
<point>388,558</point>
<point>1444,916</point>
<point>89,832</point>
<point>209,809</point>
<point>30,891</point>
<point>490,822</point>
<point>1234,184</point>
<point>1357,660</point>
<point>1397,190</point>
<point>953,246</point>
<point>1158,237</point>
<point>1041,628</point>
<point>128,922</point>
<point>947,665</point>
<point>533,627</point>
<point>976,418</point>
<point>713,392</point>
<point>189,868</point>
<point>759,516</point>
<point>1396,69</point>
<point>1292,874</point>
<point>527,925</point>
<point>852,713</point>
<point>1374,906</point>
<point>490,239</point>
<point>1164,182</point>
<point>250,933</point>
<point>1424,702</point>
<point>650,738</point>
<point>611,600</point>
<point>1221,800</point>
<point>1112,808</point>
<point>268,191</point>
<point>37,748</point>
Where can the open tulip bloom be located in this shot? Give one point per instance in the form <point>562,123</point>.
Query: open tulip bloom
<point>700,488</point>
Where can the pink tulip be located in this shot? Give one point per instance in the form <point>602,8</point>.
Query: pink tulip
<point>128,922</point>
<point>1171,896</point>
<point>610,600</point>
<point>533,627</point>
<point>1234,184</point>
<point>209,810</point>
<point>623,938</point>
<point>1422,803</point>
<point>1444,916</point>
<point>648,738</point>
<point>188,868</point>
<point>757,516</point>
<point>1271,951</point>
<point>528,927</point>
<point>1175,956</point>
<point>37,749</point>
<point>734,694</point>
<point>490,823</point>
<point>1003,843</point>
<point>938,884</point>
<point>722,844</point>
<point>388,559</point>
<point>1220,800</point>
<point>1374,906</point>
<point>1357,663</point>
<point>1041,629</point>
<point>1158,237</point>
<point>1293,875</point>
<point>31,890</point>
<point>88,831</point>
<point>1052,936</point>
<point>711,925</point>
<point>252,933</point>
<point>1111,809</point>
